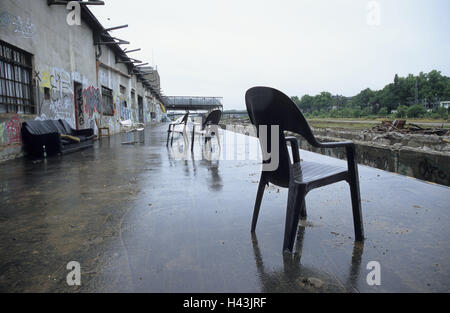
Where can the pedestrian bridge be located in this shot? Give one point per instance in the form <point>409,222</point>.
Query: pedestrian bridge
<point>183,103</point>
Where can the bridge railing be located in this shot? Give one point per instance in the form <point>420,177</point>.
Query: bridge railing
<point>173,101</point>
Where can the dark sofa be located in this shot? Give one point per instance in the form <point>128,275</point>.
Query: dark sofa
<point>37,134</point>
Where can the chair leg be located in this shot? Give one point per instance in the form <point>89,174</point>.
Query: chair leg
<point>208,141</point>
<point>218,141</point>
<point>168,135</point>
<point>296,199</point>
<point>356,207</point>
<point>354,192</point>
<point>303,214</point>
<point>186,140</point>
<point>259,196</point>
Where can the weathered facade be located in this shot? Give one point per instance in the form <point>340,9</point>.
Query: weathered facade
<point>52,70</point>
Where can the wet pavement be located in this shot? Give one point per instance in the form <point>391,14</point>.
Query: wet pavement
<point>140,219</point>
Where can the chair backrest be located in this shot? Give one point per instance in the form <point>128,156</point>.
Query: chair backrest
<point>268,106</point>
<point>185,118</point>
<point>213,118</point>
<point>96,123</point>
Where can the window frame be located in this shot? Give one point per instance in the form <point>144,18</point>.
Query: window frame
<point>107,100</point>
<point>16,81</point>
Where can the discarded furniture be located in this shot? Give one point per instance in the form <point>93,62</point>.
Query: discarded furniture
<point>271,108</point>
<point>209,127</point>
<point>179,126</point>
<point>101,129</point>
<point>130,126</point>
<point>50,137</point>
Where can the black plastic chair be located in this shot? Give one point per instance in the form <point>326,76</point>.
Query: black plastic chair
<point>172,129</point>
<point>210,127</point>
<point>268,106</point>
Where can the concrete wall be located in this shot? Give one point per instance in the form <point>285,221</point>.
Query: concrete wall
<point>417,160</point>
<point>432,166</point>
<point>63,55</point>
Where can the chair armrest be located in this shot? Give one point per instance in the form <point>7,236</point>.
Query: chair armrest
<point>173,124</point>
<point>295,148</point>
<point>333,144</point>
<point>350,150</point>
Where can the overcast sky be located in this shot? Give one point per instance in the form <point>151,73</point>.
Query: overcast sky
<point>224,47</point>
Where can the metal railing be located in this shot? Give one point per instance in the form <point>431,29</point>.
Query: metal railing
<point>182,102</point>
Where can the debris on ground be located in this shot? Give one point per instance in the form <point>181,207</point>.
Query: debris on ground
<point>401,127</point>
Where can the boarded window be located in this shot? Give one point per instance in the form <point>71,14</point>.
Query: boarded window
<point>15,80</point>
<point>107,102</point>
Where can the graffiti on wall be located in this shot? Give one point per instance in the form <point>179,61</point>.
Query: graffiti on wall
<point>433,172</point>
<point>79,105</point>
<point>10,132</point>
<point>18,25</point>
<point>56,94</point>
<point>58,80</point>
<point>123,111</point>
<point>92,100</point>
<point>57,97</point>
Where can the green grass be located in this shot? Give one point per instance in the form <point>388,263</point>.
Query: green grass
<point>360,126</point>
<point>363,123</point>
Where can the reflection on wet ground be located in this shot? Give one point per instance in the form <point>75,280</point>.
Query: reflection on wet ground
<point>137,217</point>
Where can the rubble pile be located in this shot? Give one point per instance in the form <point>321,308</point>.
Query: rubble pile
<point>401,127</point>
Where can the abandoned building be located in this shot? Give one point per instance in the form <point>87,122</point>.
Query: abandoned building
<point>80,73</point>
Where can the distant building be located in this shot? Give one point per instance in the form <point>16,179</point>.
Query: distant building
<point>444,104</point>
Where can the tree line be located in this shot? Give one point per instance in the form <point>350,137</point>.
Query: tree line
<point>411,96</point>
